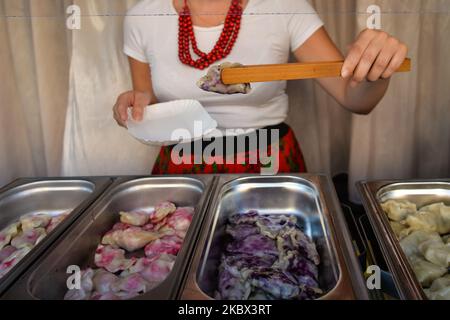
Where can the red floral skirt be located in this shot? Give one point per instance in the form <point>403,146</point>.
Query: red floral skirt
<point>285,157</point>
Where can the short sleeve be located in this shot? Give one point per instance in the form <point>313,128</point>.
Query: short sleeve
<point>134,46</point>
<point>302,21</point>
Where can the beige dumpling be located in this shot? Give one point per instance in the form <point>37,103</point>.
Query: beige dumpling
<point>440,289</point>
<point>8,233</point>
<point>29,238</point>
<point>427,244</point>
<point>398,210</point>
<point>130,239</point>
<point>410,244</point>
<point>433,218</point>
<point>137,219</point>
<point>399,229</point>
<point>405,232</point>
<point>33,221</point>
<point>436,207</point>
<point>446,239</point>
<point>425,271</point>
<point>436,251</point>
<point>162,210</point>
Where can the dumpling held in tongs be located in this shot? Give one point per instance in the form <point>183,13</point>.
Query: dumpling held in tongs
<point>212,82</point>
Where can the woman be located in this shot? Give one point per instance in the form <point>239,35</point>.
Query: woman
<point>170,43</point>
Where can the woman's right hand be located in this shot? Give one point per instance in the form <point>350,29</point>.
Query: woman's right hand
<point>137,100</point>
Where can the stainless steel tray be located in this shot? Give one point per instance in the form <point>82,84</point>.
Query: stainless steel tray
<point>311,199</point>
<point>47,279</point>
<point>421,192</point>
<point>50,195</point>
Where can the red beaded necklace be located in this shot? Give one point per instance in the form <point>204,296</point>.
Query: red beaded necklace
<point>224,45</point>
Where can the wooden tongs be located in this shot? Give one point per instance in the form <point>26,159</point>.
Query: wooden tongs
<point>289,71</point>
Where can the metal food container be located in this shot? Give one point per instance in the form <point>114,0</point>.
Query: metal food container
<point>421,193</point>
<point>52,196</point>
<point>47,279</point>
<point>311,199</point>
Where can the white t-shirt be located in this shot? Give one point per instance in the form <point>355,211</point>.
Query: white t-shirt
<point>270,30</point>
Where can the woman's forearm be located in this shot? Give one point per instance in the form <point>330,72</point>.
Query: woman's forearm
<point>372,59</point>
<point>365,96</point>
<point>142,79</point>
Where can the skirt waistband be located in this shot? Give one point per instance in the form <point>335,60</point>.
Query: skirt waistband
<point>256,140</point>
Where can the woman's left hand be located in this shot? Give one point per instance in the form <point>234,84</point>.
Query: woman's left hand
<point>374,55</point>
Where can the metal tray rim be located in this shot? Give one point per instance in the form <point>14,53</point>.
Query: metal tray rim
<point>403,274</point>
<point>226,186</point>
<point>191,286</point>
<point>94,209</point>
<point>358,229</point>
<point>99,183</point>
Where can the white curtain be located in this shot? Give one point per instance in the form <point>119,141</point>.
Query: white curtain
<point>93,143</point>
<point>56,74</point>
<point>34,60</point>
<point>408,134</point>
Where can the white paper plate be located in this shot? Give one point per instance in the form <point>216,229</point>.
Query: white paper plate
<point>172,122</point>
